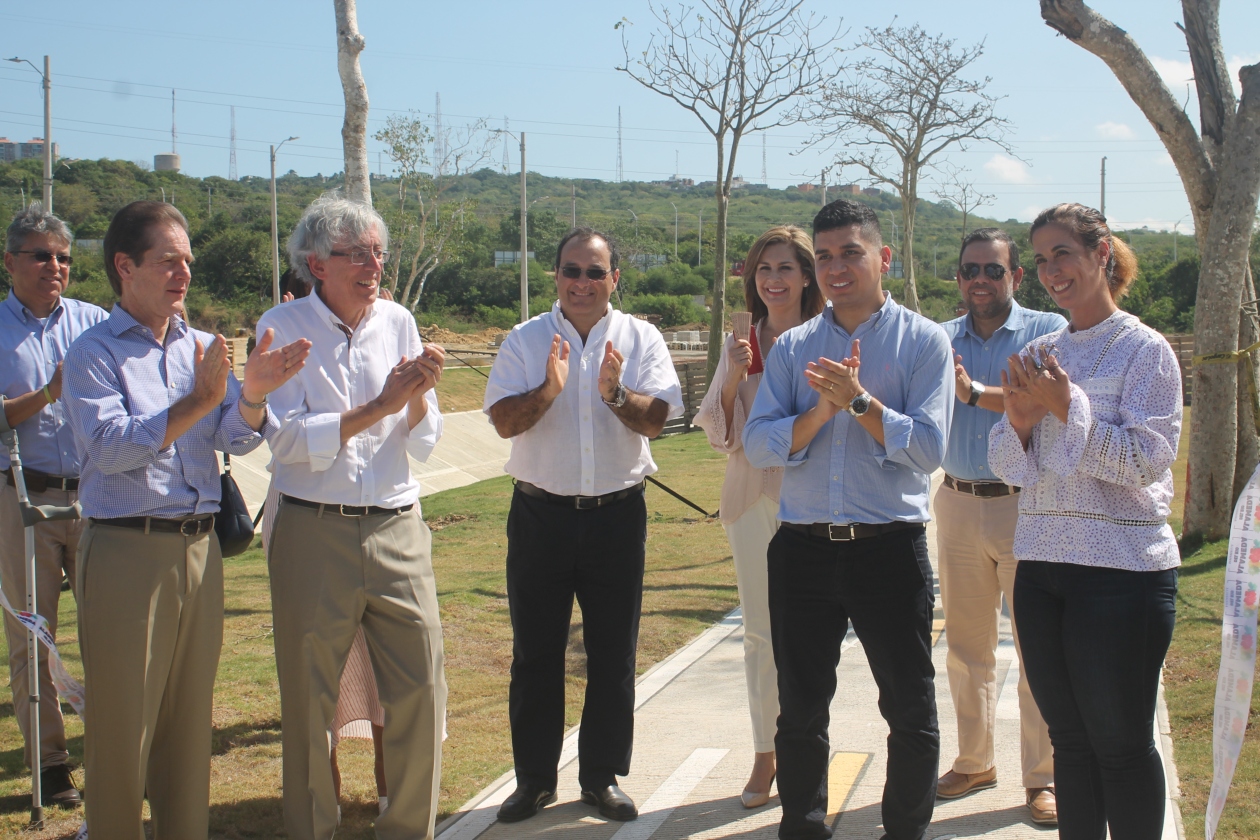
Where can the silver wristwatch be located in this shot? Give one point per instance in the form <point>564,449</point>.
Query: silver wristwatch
<point>977,391</point>
<point>619,397</point>
<point>860,404</point>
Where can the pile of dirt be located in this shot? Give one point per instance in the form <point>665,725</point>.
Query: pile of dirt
<point>447,338</point>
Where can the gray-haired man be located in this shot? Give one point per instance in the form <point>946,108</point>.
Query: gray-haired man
<point>349,547</point>
<point>37,327</point>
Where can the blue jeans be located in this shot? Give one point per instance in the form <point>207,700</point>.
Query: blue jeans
<point>1093,642</point>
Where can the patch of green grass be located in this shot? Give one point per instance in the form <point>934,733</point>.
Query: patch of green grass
<point>689,584</point>
<point>462,388</point>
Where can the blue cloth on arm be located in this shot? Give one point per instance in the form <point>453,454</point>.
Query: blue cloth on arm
<point>843,475</point>
<point>119,383</point>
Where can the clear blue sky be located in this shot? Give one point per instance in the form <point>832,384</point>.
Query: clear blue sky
<point>548,67</point>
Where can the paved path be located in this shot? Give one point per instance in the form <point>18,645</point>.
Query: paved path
<point>693,751</point>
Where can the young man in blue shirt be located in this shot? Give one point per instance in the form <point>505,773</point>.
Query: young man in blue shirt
<point>855,405</point>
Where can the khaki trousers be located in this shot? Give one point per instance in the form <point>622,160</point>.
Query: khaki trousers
<point>150,630</point>
<point>55,547</point>
<point>331,574</point>
<point>749,536</point>
<point>975,540</point>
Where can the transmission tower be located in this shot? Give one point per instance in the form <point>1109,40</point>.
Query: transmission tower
<point>439,145</point>
<point>505,146</point>
<point>232,154</point>
<point>764,179</point>
<point>620,171</point>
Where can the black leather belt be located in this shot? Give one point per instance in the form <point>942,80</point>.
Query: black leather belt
<point>191,526</point>
<point>853,531</point>
<point>345,510</point>
<point>983,489</point>
<point>38,482</point>
<point>578,502</point>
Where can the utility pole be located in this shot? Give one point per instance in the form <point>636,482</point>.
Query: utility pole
<point>823,180</point>
<point>573,195</point>
<point>1102,189</point>
<point>699,236</point>
<point>524,240</point>
<point>675,206</point>
<point>275,229</point>
<point>1179,221</point>
<point>48,177</point>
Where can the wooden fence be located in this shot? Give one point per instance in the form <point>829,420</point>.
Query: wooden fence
<point>1183,346</point>
<point>691,376</point>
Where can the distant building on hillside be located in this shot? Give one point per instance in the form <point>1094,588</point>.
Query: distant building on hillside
<point>675,182</point>
<point>33,148</point>
<point>874,192</point>
<point>806,187</point>
<point>849,189</point>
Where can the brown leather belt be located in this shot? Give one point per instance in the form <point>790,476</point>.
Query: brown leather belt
<point>852,531</point>
<point>189,526</point>
<point>345,510</point>
<point>578,502</point>
<point>38,482</point>
<point>983,489</point>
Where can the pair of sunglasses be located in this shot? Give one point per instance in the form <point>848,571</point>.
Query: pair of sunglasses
<point>573,272</point>
<point>970,271</point>
<point>44,256</point>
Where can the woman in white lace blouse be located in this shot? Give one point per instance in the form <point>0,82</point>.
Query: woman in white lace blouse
<point>781,292</point>
<point>1093,417</point>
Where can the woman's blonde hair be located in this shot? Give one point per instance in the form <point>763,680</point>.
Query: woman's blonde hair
<point>1090,227</point>
<point>811,297</point>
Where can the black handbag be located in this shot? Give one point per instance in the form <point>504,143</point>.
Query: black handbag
<point>233,523</point>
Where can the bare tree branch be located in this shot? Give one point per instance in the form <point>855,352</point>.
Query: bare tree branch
<point>959,190</point>
<point>354,128</point>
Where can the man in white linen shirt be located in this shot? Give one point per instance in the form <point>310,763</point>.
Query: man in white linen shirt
<point>349,546</point>
<point>578,521</point>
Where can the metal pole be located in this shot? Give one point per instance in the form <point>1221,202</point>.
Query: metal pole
<point>1102,189</point>
<point>699,236</point>
<point>524,240</point>
<point>573,188</point>
<point>823,181</point>
<point>275,236</point>
<point>48,178</point>
<point>675,206</point>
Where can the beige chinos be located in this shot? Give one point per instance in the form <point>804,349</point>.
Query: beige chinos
<point>55,547</point>
<point>329,575</point>
<point>975,540</point>
<point>150,631</point>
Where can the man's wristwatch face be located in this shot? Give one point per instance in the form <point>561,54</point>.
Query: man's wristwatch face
<point>619,397</point>
<point>977,391</point>
<point>860,404</point>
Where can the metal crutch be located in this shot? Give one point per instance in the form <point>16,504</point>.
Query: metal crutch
<point>31,515</point>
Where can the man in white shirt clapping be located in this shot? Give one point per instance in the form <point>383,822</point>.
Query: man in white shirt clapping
<point>580,390</point>
<point>349,546</point>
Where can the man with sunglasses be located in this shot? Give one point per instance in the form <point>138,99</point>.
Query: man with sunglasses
<point>578,520</point>
<point>37,327</point>
<point>975,524</point>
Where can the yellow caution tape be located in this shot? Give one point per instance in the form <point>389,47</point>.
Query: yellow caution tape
<point>1224,357</point>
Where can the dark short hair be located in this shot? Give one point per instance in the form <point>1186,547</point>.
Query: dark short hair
<point>843,213</point>
<point>587,233</point>
<point>130,233</point>
<point>989,234</point>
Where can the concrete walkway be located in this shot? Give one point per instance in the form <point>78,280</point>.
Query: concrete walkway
<point>693,751</point>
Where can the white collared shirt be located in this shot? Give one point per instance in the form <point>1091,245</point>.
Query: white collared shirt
<point>579,447</point>
<point>308,458</point>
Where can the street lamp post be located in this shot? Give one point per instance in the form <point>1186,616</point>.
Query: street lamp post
<point>634,216</point>
<point>275,229</point>
<point>675,206</point>
<point>1179,221</point>
<point>48,178</point>
<point>524,240</point>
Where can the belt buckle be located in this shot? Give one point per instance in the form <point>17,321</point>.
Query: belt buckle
<point>836,533</point>
<point>342,510</point>
<point>196,527</point>
<point>975,486</point>
<point>585,502</point>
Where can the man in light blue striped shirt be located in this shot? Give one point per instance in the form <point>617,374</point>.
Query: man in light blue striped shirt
<point>37,327</point>
<point>855,405</point>
<point>150,400</point>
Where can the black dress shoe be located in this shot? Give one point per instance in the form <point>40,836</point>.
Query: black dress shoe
<point>56,787</point>
<point>613,803</point>
<point>524,802</point>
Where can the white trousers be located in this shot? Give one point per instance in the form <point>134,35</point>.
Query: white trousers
<point>749,536</point>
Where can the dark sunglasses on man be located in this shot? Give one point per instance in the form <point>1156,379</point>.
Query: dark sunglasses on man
<point>573,272</point>
<point>970,271</point>
<point>44,256</point>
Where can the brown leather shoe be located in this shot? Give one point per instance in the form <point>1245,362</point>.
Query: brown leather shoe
<point>953,785</point>
<point>1045,810</point>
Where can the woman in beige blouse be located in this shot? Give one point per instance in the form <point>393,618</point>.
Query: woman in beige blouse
<point>781,292</point>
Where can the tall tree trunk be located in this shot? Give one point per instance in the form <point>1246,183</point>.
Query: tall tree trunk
<point>354,129</point>
<point>1248,387</point>
<point>717,319</point>
<point>911,293</point>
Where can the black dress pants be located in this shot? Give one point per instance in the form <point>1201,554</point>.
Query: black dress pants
<point>556,553</point>
<point>883,585</point>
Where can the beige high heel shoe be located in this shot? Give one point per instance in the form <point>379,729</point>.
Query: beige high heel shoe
<point>755,799</point>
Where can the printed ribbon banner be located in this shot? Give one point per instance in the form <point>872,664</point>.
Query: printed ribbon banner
<point>1238,648</point>
<point>70,689</point>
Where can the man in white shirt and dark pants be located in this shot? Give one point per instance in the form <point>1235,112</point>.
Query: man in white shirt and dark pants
<point>578,521</point>
<point>349,546</point>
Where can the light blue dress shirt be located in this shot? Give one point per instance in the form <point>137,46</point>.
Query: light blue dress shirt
<point>118,383</point>
<point>967,456</point>
<point>844,475</point>
<point>30,349</point>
